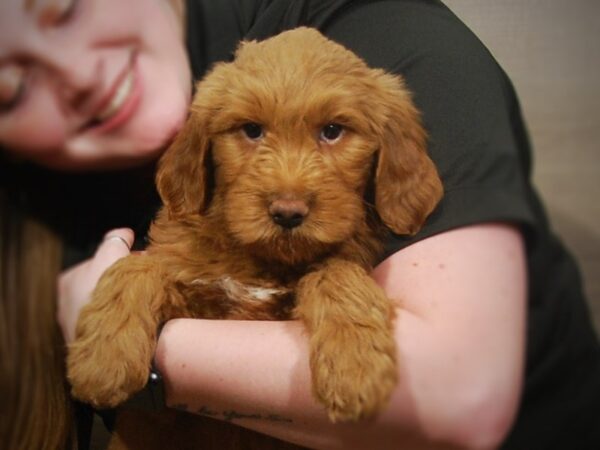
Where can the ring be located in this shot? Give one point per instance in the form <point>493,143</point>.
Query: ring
<point>117,238</point>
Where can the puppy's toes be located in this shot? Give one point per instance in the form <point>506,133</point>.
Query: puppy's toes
<point>354,380</point>
<point>103,374</point>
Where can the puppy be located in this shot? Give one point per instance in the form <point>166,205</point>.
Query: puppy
<point>278,192</point>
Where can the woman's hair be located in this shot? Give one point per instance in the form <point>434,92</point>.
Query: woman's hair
<point>34,402</point>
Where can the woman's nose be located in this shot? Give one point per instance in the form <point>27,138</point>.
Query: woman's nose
<point>77,79</point>
<point>73,71</point>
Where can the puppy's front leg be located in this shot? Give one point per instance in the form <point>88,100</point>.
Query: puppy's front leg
<point>115,335</point>
<point>352,348</point>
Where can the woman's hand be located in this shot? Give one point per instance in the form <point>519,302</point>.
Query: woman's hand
<point>75,285</point>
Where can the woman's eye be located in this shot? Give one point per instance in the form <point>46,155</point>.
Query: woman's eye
<point>55,12</point>
<point>331,133</point>
<point>68,9</point>
<point>252,131</point>
<point>12,87</point>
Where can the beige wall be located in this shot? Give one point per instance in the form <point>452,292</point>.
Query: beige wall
<point>551,50</point>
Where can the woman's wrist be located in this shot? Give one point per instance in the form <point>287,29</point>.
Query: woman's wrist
<point>214,371</point>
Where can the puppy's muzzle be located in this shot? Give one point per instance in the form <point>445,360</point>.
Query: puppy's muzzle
<point>288,213</point>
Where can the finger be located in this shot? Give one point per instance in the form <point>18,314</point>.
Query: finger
<point>115,245</point>
<point>124,235</point>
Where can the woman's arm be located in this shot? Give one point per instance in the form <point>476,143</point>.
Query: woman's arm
<point>460,335</point>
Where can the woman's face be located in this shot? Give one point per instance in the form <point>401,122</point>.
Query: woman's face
<point>91,83</point>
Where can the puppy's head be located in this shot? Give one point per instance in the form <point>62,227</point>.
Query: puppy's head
<point>292,127</point>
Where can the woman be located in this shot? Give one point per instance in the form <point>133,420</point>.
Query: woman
<point>488,292</point>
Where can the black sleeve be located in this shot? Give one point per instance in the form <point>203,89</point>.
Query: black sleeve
<point>468,105</point>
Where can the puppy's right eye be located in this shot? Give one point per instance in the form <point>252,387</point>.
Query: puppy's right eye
<point>331,133</point>
<point>252,131</point>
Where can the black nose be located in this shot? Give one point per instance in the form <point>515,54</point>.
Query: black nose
<point>288,213</point>
<point>288,220</point>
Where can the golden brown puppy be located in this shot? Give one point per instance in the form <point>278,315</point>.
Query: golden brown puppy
<point>265,217</point>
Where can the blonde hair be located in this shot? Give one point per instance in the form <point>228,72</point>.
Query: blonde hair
<point>35,407</point>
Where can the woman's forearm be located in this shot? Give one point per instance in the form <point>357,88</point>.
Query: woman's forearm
<point>459,352</point>
<point>223,369</point>
<point>256,374</point>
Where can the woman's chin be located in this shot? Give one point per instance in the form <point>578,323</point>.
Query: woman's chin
<point>131,146</point>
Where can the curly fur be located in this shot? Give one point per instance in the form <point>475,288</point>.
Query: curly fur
<point>216,251</point>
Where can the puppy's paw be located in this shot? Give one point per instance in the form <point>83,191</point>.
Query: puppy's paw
<point>115,336</point>
<point>354,377</point>
<point>102,372</point>
<point>111,355</point>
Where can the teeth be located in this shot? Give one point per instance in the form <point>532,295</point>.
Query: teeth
<point>118,99</point>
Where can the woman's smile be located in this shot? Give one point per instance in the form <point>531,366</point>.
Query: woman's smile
<point>121,102</point>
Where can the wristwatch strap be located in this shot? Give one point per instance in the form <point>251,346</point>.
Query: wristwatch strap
<point>152,397</point>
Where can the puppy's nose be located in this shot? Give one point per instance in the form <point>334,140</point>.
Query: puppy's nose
<point>288,213</point>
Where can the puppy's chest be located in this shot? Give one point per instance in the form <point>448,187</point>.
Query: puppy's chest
<point>229,296</point>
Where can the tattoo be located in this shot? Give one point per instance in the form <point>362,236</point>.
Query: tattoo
<point>230,415</point>
<point>204,411</point>
<point>277,418</point>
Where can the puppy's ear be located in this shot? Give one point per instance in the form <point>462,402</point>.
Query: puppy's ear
<point>407,185</point>
<point>181,178</point>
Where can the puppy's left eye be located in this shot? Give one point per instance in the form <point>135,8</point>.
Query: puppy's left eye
<point>252,131</point>
<point>331,133</point>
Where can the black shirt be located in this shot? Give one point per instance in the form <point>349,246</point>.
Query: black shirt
<point>479,143</point>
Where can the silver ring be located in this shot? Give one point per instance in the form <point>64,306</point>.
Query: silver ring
<point>117,238</point>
